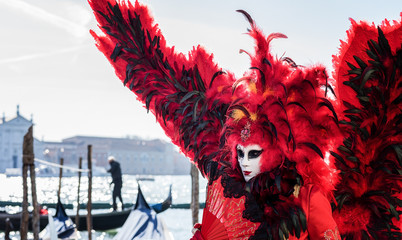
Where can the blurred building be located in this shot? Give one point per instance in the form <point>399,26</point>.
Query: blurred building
<point>12,133</point>
<point>136,155</point>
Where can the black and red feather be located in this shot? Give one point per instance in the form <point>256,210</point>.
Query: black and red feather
<point>174,87</point>
<point>369,78</point>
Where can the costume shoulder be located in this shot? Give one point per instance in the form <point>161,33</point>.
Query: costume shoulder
<point>368,71</point>
<point>188,95</point>
<point>320,223</point>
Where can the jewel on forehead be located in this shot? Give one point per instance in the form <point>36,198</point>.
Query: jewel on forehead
<point>245,132</point>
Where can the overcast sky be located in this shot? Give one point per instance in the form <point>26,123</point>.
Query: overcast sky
<point>50,66</point>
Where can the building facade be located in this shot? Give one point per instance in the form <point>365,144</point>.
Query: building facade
<point>12,133</point>
<point>136,155</point>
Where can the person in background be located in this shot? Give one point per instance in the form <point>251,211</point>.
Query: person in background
<point>115,171</point>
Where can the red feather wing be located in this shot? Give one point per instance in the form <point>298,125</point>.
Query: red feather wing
<point>369,78</point>
<point>188,95</point>
<point>356,45</point>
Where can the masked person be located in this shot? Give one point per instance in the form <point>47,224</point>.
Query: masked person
<point>268,141</point>
<point>117,181</point>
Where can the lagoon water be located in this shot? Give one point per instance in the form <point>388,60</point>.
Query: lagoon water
<point>178,221</point>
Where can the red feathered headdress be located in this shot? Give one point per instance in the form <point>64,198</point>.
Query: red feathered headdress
<point>285,109</point>
<point>191,97</point>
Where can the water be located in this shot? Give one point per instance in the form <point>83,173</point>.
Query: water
<point>178,221</point>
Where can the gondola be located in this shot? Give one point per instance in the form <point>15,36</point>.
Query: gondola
<point>100,221</point>
<point>143,223</point>
<point>60,226</point>
<point>112,220</point>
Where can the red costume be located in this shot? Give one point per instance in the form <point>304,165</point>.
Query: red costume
<point>320,224</point>
<point>302,135</point>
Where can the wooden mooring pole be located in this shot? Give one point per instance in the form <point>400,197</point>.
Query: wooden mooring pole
<point>195,202</point>
<point>9,228</point>
<point>60,177</point>
<point>35,221</point>
<point>25,213</point>
<point>29,164</point>
<point>77,216</point>
<point>89,204</point>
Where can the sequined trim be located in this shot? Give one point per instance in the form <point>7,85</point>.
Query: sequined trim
<point>332,234</point>
<point>245,132</point>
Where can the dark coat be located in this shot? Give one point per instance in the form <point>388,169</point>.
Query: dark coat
<point>115,171</point>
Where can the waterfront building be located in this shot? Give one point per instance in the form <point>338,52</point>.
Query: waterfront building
<point>136,155</point>
<point>12,133</point>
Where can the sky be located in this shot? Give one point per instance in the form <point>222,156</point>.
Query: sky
<point>50,67</point>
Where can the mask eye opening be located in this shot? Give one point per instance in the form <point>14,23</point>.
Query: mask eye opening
<point>254,154</point>
<point>240,153</point>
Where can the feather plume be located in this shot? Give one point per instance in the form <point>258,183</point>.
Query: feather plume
<point>368,72</point>
<point>174,87</point>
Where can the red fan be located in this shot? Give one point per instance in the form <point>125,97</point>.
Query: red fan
<point>222,218</point>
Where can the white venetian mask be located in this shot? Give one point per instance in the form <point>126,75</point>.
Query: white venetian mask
<point>249,160</point>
